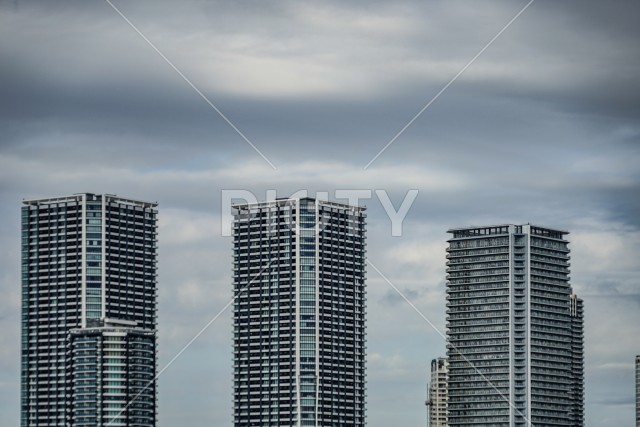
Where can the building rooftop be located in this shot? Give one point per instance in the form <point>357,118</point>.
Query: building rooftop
<point>78,196</point>
<point>488,230</point>
<point>286,200</point>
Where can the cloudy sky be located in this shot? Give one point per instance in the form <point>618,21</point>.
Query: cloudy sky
<point>543,127</point>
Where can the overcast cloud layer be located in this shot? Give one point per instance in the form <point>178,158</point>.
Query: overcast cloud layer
<point>543,128</point>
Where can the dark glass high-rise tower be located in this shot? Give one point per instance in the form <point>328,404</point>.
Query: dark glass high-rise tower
<point>299,314</point>
<point>514,329</point>
<point>88,312</point>
<point>638,391</point>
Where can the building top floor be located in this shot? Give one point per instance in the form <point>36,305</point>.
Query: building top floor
<point>293,202</point>
<point>62,201</point>
<point>506,229</point>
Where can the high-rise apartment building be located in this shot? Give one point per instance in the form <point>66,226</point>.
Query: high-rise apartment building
<point>88,312</point>
<point>576,311</point>
<point>514,332</point>
<point>437,400</point>
<point>299,314</point>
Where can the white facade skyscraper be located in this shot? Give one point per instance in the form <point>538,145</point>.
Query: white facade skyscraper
<point>88,312</point>
<point>299,314</point>
<point>514,330</point>
<point>576,311</point>
<point>437,400</point>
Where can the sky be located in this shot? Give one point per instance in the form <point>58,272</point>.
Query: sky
<point>543,127</point>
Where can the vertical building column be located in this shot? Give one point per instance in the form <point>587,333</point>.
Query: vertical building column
<point>512,327</point>
<point>317,230</point>
<point>297,319</point>
<point>103,258</point>
<point>83,262</point>
<point>527,319</point>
